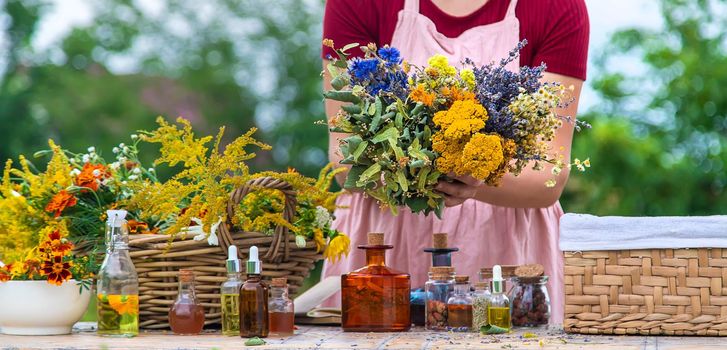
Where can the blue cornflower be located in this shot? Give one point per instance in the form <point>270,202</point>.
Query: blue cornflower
<point>363,68</point>
<point>390,54</point>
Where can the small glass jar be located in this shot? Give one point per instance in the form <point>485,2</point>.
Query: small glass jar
<point>480,303</point>
<point>280,309</point>
<point>530,301</point>
<point>438,290</point>
<point>459,306</point>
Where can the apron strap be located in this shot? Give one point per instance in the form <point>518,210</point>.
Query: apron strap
<point>511,9</point>
<point>411,5</point>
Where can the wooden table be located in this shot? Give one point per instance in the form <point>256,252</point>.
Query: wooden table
<point>333,338</point>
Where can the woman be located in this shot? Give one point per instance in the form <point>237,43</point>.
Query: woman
<point>514,223</point>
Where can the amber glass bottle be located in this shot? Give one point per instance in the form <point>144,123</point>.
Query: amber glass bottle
<point>375,298</point>
<point>254,300</point>
<point>186,317</point>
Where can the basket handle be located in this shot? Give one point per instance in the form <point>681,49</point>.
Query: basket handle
<point>281,232</point>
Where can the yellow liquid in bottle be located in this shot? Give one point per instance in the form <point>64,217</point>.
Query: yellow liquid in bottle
<point>118,315</point>
<point>499,316</point>
<point>231,314</point>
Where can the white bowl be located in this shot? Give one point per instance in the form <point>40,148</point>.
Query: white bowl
<point>41,308</point>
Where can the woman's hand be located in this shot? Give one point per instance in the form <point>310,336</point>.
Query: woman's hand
<point>459,190</point>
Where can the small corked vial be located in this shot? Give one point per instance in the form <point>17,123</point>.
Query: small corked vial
<point>186,275</point>
<point>462,279</point>
<point>279,282</point>
<point>375,238</point>
<point>481,285</point>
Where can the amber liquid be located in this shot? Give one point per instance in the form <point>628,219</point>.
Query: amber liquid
<point>499,316</point>
<point>254,308</point>
<point>375,298</point>
<point>282,324</point>
<point>186,319</point>
<point>459,316</point>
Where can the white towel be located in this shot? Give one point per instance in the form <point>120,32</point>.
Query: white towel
<point>582,232</point>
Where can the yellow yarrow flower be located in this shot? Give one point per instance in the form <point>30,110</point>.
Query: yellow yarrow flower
<point>441,64</point>
<point>468,77</point>
<point>482,155</point>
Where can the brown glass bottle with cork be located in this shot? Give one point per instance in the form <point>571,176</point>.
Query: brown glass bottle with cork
<point>254,300</point>
<point>282,314</point>
<point>375,298</point>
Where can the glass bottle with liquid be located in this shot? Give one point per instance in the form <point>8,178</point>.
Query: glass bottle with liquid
<point>230,291</point>
<point>498,313</point>
<point>280,309</point>
<point>118,284</point>
<point>459,306</point>
<point>438,289</point>
<point>254,320</point>
<point>186,317</point>
<point>375,298</point>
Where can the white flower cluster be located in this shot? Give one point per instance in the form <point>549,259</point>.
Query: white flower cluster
<point>323,218</point>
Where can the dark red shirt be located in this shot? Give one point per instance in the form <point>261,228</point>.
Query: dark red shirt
<point>557,30</point>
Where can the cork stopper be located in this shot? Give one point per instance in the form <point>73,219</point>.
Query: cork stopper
<point>508,271</point>
<point>186,275</point>
<point>441,270</point>
<point>279,282</point>
<point>440,241</point>
<point>480,285</point>
<point>461,279</point>
<point>486,273</point>
<point>375,238</point>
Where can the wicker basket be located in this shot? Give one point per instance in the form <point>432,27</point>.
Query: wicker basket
<point>647,292</point>
<point>157,260</point>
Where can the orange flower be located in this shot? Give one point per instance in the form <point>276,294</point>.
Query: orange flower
<point>91,174</point>
<point>124,304</point>
<point>5,273</point>
<point>57,270</point>
<point>420,95</point>
<point>55,244</point>
<point>136,226</point>
<point>60,202</point>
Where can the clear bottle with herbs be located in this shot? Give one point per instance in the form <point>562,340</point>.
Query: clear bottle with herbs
<point>280,309</point>
<point>441,256</point>
<point>186,317</point>
<point>459,306</point>
<point>530,301</point>
<point>480,303</point>
<point>375,298</point>
<point>230,292</point>
<point>118,284</point>
<point>438,290</point>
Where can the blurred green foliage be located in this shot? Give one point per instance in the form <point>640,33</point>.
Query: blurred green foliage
<point>658,146</point>
<point>659,140</point>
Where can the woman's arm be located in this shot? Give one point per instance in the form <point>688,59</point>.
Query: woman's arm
<point>527,190</point>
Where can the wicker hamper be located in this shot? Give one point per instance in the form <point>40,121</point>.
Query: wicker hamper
<point>157,260</point>
<point>646,291</point>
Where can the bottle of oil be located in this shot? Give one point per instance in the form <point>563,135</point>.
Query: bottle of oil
<point>282,315</point>
<point>498,312</point>
<point>459,306</point>
<point>230,292</point>
<point>186,317</point>
<point>375,298</point>
<point>118,284</point>
<point>254,300</point>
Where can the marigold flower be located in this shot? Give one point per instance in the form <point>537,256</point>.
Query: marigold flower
<point>60,202</point>
<point>91,174</point>
<point>56,270</point>
<point>419,94</point>
<point>55,244</point>
<point>124,304</point>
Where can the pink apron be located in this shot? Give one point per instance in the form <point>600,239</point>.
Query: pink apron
<point>485,234</point>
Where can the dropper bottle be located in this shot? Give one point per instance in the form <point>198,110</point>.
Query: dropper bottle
<point>254,300</point>
<point>498,312</point>
<point>230,291</point>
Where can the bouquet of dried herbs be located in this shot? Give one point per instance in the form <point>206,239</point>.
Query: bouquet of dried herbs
<point>412,126</point>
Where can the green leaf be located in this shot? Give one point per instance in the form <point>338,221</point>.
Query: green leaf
<point>340,81</point>
<point>379,106</point>
<point>353,174</point>
<point>399,122</point>
<point>427,133</point>
<point>417,204</point>
<point>402,181</point>
<point>342,96</point>
<point>368,174</point>
<point>389,134</point>
<point>397,150</point>
<point>349,46</point>
<point>360,150</point>
<point>418,108</point>
<point>422,178</point>
<point>352,142</point>
<point>254,342</point>
<point>375,123</point>
<point>416,164</point>
<point>352,109</point>
<point>372,109</point>
<point>333,70</point>
<point>492,329</point>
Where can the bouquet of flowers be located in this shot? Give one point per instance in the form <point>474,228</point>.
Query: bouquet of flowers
<point>194,201</point>
<point>411,126</point>
<point>52,222</point>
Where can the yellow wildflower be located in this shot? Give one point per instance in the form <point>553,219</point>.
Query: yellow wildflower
<point>419,94</point>
<point>468,77</point>
<point>337,247</point>
<point>481,156</point>
<point>318,238</point>
<point>441,64</point>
